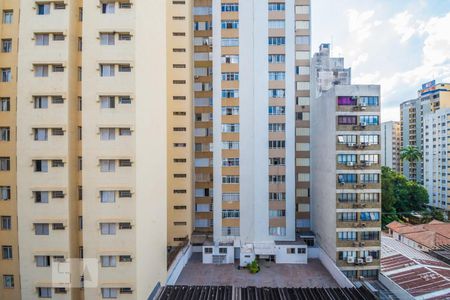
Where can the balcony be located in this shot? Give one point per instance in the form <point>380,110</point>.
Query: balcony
<point>361,165</point>
<point>357,108</point>
<point>358,224</point>
<point>357,243</point>
<point>358,146</point>
<point>358,127</point>
<point>358,262</point>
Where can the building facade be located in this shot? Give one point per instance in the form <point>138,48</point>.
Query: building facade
<point>239,196</point>
<point>346,177</point>
<point>435,162</point>
<point>9,260</point>
<point>105,146</point>
<point>390,145</point>
<point>431,97</point>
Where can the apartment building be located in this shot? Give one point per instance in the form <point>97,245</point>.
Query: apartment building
<point>435,160</point>
<point>346,186</point>
<point>390,145</point>
<point>105,146</point>
<point>246,193</point>
<point>9,260</point>
<point>431,97</point>
<point>328,71</point>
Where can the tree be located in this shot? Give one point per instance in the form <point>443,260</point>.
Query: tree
<point>411,154</point>
<point>400,195</point>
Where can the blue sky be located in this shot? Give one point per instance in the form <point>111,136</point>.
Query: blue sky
<point>398,44</point>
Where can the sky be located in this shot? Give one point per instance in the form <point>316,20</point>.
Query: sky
<point>398,44</point>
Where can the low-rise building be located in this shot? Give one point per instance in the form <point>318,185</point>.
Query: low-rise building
<point>423,237</point>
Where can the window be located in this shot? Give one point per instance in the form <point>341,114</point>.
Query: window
<point>41,166</point>
<point>42,261</point>
<point>369,101</point>
<point>230,76</point>
<point>230,59</point>
<point>41,39</point>
<point>230,179</point>
<point>6,45</point>
<point>230,214</point>
<point>302,25</point>
<point>40,134</point>
<point>302,9</point>
<point>276,41</point>
<point>208,250</point>
<point>43,9</point>
<point>5,193</point>
<point>58,226</point>
<point>347,236</point>
<point>109,293</point>
<point>290,250</point>
<point>370,139</point>
<point>58,68</point>
<point>107,134</point>
<point>277,213</point>
<point>44,292</point>
<point>4,163</point>
<point>4,134</point>
<point>369,120</point>
<point>276,24</point>
<point>346,159</point>
<point>57,194</point>
<point>41,70</point>
<point>125,194</point>
<point>369,159</point>
<point>7,252</point>
<point>346,197</point>
<point>277,144</point>
<point>277,93</point>
<point>107,196</point>
<point>369,216</point>
<point>108,228</point>
<point>347,100</point>
<point>108,261</point>
<point>124,100</point>
<point>125,258</point>
<point>230,93</point>
<point>5,222</point>
<point>346,216</point>
<point>370,235</point>
<point>370,178</point>
<point>230,42</point>
<point>347,139</point>
<point>57,163</point>
<point>7,17</point>
<point>279,196</point>
<point>230,162</point>
<point>57,100</point>
<point>302,55</point>
<point>277,58</point>
<point>8,281</point>
<point>6,75</point>
<point>57,131</point>
<point>277,6</point>
<point>59,5</point>
<point>277,110</point>
<point>107,38</point>
<point>230,7</point>
<point>125,163</point>
<point>277,127</point>
<point>230,128</point>
<point>108,8</point>
<point>40,102</point>
<point>107,102</point>
<point>41,229</point>
<point>58,37</point>
<point>124,37</point>
<point>124,5</point>
<point>369,197</point>
<point>230,145</point>
<point>124,68</point>
<point>277,75</point>
<point>343,255</point>
<point>347,120</point>
<point>277,179</point>
<point>107,165</point>
<point>107,70</point>
<point>41,197</point>
<point>347,178</point>
<point>4,104</point>
<point>230,24</point>
<point>125,225</point>
<point>277,231</point>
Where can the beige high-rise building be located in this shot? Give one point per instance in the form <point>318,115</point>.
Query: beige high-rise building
<point>104,145</point>
<point>390,145</point>
<point>9,260</point>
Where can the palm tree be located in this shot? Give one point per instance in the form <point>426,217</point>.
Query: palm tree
<point>411,154</point>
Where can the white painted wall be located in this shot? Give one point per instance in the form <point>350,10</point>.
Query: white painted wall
<point>282,257</point>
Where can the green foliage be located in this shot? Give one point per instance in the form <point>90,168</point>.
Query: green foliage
<point>400,195</point>
<point>253,267</point>
<point>411,154</point>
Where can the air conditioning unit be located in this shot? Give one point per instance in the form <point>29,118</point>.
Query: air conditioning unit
<point>363,124</point>
<point>363,107</point>
<point>196,77</point>
<point>350,260</point>
<point>363,224</point>
<point>369,259</point>
<point>350,164</point>
<point>360,261</point>
<point>351,144</point>
<point>362,244</point>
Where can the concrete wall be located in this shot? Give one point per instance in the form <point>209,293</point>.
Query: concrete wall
<point>177,266</point>
<point>282,257</point>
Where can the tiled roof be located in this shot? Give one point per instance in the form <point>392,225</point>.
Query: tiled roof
<point>431,235</point>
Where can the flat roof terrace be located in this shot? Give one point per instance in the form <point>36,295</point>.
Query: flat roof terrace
<point>313,274</point>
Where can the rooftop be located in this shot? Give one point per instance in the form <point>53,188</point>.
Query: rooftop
<point>431,235</point>
<point>313,274</point>
<point>417,273</point>
<point>253,293</point>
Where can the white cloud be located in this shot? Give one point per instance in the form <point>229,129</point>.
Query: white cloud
<point>362,58</point>
<point>360,24</point>
<point>437,43</point>
<point>405,25</point>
